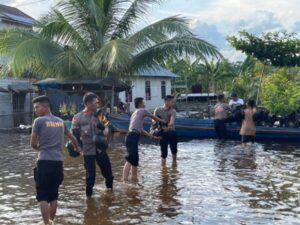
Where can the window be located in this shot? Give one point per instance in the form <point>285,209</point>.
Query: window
<point>128,93</point>
<point>163,89</point>
<point>18,102</point>
<point>147,90</point>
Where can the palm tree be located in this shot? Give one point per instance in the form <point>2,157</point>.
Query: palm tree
<point>96,38</point>
<point>215,74</point>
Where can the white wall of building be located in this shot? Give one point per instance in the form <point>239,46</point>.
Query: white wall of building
<point>138,90</point>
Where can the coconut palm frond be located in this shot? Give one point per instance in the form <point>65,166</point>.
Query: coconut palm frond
<point>135,13</point>
<point>177,46</point>
<point>26,48</point>
<point>69,63</point>
<point>113,57</point>
<point>159,31</point>
<point>11,38</point>
<point>56,27</point>
<point>87,17</point>
<point>34,51</point>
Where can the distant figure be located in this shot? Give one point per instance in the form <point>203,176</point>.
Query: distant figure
<point>135,130</point>
<point>168,134</point>
<point>235,101</point>
<point>121,107</point>
<point>248,128</point>
<point>222,110</point>
<point>48,138</point>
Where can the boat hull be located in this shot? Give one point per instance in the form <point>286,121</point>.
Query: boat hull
<point>198,128</point>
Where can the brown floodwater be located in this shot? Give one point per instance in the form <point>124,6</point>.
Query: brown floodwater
<point>212,183</point>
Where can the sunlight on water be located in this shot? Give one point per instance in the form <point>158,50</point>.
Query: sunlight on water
<point>212,183</point>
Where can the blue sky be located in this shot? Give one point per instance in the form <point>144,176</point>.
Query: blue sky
<point>211,20</point>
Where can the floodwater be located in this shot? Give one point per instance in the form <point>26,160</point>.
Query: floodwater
<point>212,183</point>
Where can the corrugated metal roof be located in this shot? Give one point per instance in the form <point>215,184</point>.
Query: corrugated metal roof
<point>157,72</point>
<point>20,88</point>
<point>20,19</point>
<point>16,15</point>
<point>101,84</point>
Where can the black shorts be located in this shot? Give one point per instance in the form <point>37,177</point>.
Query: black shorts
<point>132,140</point>
<point>48,175</point>
<point>248,138</point>
<point>168,138</point>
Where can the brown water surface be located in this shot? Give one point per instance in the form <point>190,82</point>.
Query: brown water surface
<point>212,183</point>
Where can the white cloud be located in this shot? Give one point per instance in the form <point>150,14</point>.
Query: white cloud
<point>219,17</point>
<point>226,13</point>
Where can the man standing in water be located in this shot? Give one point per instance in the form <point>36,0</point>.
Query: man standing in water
<point>169,136</point>
<point>85,129</point>
<point>132,139</point>
<point>221,114</point>
<point>48,138</point>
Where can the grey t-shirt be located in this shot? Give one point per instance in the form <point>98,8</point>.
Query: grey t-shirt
<point>137,119</point>
<point>166,114</point>
<point>221,111</point>
<point>50,131</point>
<point>88,128</point>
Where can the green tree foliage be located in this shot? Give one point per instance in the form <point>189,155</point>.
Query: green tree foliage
<point>185,69</point>
<point>94,38</point>
<point>212,75</point>
<point>246,83</point>
<point>279,95</point>
<point>278,48</point>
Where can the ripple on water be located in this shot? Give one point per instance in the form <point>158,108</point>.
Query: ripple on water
<point>212,183</point>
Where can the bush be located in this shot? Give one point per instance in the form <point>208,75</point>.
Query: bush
<point>279,95</point>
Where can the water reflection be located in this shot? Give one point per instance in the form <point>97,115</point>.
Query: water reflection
<point>168,192</point>
<point>271,182</point>
<point>212,183</point>
<point>15,120</point>
<point>232,154</point>
<point>98,209</point>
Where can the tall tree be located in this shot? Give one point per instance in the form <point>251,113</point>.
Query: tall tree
<point>275,48</point>
<point>94,38</point>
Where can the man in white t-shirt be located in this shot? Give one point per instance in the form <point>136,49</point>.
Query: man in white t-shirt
<point>235,101</point>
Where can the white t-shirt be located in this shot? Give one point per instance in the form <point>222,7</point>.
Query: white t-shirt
<point>237,102</point>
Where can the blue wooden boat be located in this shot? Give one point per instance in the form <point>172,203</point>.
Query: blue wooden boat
<point>204,128</point>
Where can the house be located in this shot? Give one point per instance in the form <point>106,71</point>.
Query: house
<point>13,17</point>
<point>152,84</point>
<point>15,94</point>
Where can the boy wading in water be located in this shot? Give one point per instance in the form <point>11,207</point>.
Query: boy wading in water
<point>248,129</point>
<point>133,136</point>
<point>48,138</point>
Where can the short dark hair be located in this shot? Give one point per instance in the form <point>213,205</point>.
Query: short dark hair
<point>89,97</point>
<point>233,95</point>
<point>251,103</point>
<point>221,97</point>
<point>169,97</point>
<point>138,101</point>
<point>42,99</point>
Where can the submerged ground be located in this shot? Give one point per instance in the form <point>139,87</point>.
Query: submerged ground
<point>212,183</point>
